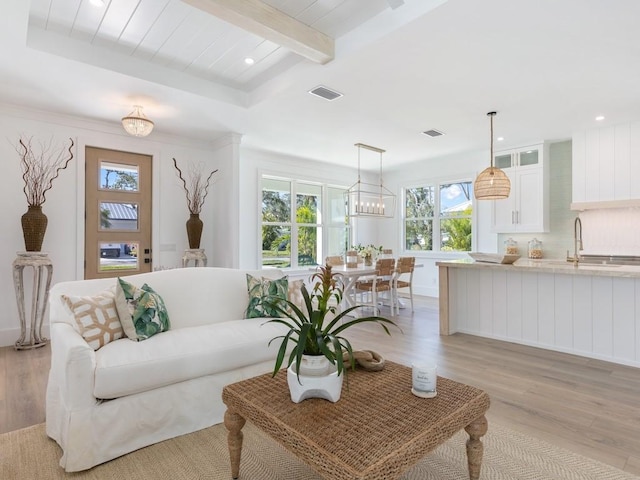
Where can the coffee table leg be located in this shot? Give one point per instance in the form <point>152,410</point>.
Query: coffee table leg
<point>475,429</point>
<point>234,424</point>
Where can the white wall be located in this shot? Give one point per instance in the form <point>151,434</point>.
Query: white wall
<point>457,167</point>
<point>64,239</point>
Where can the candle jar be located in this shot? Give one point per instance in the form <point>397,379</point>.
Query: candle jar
<point>535,249</point>
<point>424,379</point>
<point>510,246</point>
<point>352,259</point>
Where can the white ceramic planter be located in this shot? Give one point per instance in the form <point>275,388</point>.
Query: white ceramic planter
<point>327,386</point>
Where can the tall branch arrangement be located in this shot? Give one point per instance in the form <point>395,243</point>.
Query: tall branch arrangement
<point>195,187</point>
<point>40,168</point>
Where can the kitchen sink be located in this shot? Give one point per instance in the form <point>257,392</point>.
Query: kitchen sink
<point>560,263</point>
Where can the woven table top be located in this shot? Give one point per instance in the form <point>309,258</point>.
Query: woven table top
<point>376,430</point>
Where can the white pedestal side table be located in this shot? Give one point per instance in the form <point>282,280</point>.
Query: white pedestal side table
<point>40,262</point>
<point>195,254</point>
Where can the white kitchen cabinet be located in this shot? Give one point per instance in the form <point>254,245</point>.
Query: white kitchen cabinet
<point>526,209</point>
<point>593,313</point>
<point>604,166</point>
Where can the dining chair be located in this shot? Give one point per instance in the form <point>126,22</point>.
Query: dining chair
<point>403,278</point>
<point>378,283</point>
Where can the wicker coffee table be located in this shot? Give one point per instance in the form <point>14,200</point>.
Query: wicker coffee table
<point>377,430</point>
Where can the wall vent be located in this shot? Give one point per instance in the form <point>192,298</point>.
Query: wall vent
<point>433,133</point>
<point>325,93</point>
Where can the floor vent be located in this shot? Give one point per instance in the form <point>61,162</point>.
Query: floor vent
<point>325,93</point>
<point>433,133</point>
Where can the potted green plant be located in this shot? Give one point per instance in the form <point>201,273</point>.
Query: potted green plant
<point>317,332</point>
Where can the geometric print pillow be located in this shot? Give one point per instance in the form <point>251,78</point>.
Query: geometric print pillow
<point>96,317</point>
<point>294,295</point>
<point>263,289</point>
<point>142,311</point>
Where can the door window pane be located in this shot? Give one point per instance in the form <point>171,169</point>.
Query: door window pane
<point>118,216</point>
<point>117,176</point>
<point>121,256</point>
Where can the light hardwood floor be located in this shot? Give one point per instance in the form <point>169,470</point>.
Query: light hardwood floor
<point>587,406</point>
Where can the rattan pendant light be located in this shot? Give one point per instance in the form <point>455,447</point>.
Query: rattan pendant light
<point>492,183</point>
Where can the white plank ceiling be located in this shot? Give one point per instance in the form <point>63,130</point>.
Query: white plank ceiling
<point>404,66</point>
<point>175,35</point>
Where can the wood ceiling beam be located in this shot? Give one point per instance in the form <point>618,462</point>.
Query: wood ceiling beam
<point>265,21</point>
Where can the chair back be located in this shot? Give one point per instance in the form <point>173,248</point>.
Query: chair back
<point>385,267</point>
<point>405,265</point>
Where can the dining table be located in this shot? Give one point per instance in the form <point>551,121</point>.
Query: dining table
<point>351,275</point>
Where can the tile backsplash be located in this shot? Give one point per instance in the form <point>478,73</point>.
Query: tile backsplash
<point>612,231</point>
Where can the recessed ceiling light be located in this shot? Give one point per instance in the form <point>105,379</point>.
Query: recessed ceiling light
<point>599,118</point>
<point>97,3</point>
<point>249,61</point>
<point>500,139</point>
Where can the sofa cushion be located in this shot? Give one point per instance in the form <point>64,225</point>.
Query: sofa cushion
<point>141,310</point>
<point>125,368</point>
<point>261,288</point>
<point>96,317</point>
<point>294,295</point>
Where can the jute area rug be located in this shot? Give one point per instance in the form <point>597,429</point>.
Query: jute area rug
<point>29,454</point>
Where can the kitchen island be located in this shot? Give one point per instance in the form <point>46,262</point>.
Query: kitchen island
<point>588,310</point>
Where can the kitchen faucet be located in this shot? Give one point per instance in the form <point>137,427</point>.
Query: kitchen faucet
<point>577,242</point>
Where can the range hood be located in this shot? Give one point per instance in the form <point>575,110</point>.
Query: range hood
<point>581,206</point>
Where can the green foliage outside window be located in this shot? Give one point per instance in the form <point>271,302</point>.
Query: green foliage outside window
<point>438,217</point>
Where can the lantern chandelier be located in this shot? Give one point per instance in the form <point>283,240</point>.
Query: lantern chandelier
<point>492,183</point>
<point>368,199</point>
<point>136,123</point>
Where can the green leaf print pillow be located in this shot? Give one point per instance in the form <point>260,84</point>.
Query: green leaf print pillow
<point>142,311</point>
<point>259,289</point>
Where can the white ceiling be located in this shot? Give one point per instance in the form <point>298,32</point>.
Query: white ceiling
<point>547,66</point>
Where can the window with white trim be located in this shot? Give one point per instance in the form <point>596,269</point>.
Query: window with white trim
<point>302,222</point>
<point>438,217</point>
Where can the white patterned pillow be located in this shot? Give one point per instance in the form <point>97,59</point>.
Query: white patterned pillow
<point>96,317</point>
<point>294,294</point>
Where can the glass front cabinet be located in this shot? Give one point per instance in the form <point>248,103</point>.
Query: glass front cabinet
<point>527,208</point>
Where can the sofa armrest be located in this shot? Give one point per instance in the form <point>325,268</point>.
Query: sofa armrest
<point>73,365</point>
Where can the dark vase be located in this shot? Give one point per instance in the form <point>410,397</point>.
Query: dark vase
<point>194,230</point>
<point>34,226</point>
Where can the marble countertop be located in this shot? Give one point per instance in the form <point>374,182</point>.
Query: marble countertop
<point>556,266</point>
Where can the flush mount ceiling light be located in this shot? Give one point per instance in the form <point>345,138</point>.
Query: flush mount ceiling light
<point>136,123</point>
<point>492,183</point>
<point>368,199</point>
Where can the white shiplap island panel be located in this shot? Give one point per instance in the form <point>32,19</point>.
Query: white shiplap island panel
<point>593,311</point>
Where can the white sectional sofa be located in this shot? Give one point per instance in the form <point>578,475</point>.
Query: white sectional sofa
<point>126,395</point>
